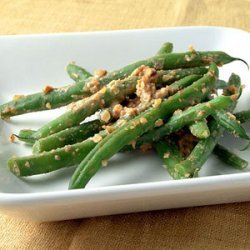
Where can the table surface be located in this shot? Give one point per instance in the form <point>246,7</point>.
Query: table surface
<point>210,227</point>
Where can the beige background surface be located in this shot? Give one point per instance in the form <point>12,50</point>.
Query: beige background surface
<point>213,227</point>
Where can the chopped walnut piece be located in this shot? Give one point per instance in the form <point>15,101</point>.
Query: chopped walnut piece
<point>177,112</point>
<point>146,85</point>
<point>143,120</point>
<point>12,138</point>
<point>48,105</point>
<point>159,123</point>
<point>186,143</point>
<point>57,158</point>
<point>68,148</point>
<point>96,138</point>
<point>100,72</point>
<point>132,103</point>
<point>47,89</point>
<point>133,144</point>
<point>16,97</point>
<point>233,117</point>
<point>129,111</point>
<point>93,85</point>
<point>109,129</point>
<point>166,155</point>
<point>27,164</point>
<point>191,48</point>
<point>105,115</point>
<point>121,122</point>
<point>162,92</point>
<point>201,113</point>
<point>157,103</point>
<point>209,105</point>
<point>146,147</point>
<point>104,163</point>
<point>116,111</point>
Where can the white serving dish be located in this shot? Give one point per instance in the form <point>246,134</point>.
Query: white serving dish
<point>132,182</point>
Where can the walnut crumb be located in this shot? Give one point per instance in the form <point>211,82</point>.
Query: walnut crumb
<point>201,113</point>
<point>116,111</point>
<point>57,157</point>
<point>191,48</point>
<point>68,148</point>
<point>166,155</point>
<point>100,72</point>
<point>27,164</point>
<point>12,138</point>
<point>143,120</point>
<point>105,116</point>
<point>47,89</point>
<point>209,105</point>
<point>177,112</point>
<point>48,105</point>
<point>104,163</point>
<point>109,129</point>
<point>96,138</point>
<point>233,117</point>
<point>121,122</point>
<point>146,147</point>
<point>157,103</point>
<point>133,144</point>
<point>93,85</point>
<point>159,123</point>
<point>16,97</point>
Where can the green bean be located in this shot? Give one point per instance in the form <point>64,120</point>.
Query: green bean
<point>50,161</point>
<point>63,96</point>
<point>114,142</point>
<point>229,157</point>
<point>229,122</point>
<point>67,137</point>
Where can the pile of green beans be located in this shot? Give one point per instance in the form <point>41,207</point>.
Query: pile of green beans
<point>183,99</point>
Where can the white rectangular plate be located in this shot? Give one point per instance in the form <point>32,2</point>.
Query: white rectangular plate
<point>134,181</point>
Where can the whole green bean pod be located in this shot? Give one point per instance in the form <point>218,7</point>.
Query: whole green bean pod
<point>63,96</point>
<point>114,142</point>
<point>50,161</point>
<point>169,153</point>
<point>229,157</point>
<point>67,137</point>
<point>77,73</point>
